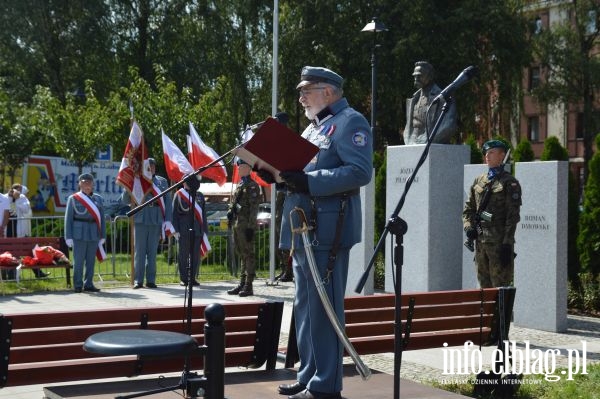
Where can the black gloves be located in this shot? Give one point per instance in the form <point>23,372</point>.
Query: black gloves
<point>471,233</point>
<point>249,233</point>
<point>266,176</point>
<point>230,215</point>
<point>506,254</point>
<point>297,182</point>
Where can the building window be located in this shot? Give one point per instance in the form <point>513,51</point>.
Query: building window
<point>579,126</point>
<point>533,129</point>
<point>539,25</point>
<point>534,77</point>
<point>591,24</point>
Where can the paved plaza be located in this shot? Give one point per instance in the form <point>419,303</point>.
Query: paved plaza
<point>419,365</point>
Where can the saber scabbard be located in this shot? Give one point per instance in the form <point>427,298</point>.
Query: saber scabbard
<point>299,215</point>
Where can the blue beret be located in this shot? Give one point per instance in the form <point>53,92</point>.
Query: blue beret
<point>86,176</point>
<point>311,74</point>
<point>493,144</point>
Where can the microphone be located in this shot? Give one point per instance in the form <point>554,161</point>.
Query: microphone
<point>281,117</point>
<point>466,75</point>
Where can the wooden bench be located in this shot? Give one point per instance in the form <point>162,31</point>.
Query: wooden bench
<point>48,347</point>
<point>438,317</point>
<point>23,246</point>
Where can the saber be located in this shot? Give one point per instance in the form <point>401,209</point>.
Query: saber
<point>362,369</point>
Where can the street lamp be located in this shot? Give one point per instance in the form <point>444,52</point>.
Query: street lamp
<point>375,27</point>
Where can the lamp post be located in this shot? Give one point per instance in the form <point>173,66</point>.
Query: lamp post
<point>375,27</point>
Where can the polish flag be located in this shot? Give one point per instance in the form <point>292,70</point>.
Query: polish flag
<point>200,155</point>
<point>134,173</point>
<point>176,163</point>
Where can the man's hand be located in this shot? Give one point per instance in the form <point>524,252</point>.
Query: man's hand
<point>266,176</point>
<point>506,254</point>
<point>69,242</point>
<point>297,182</point>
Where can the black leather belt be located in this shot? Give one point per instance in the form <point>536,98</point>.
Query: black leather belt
<point>348,193</point>
<point>84,220</point>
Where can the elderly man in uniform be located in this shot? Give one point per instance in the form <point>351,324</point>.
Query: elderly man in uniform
<point>85,231</point>
<point>242,213</point>
<point>148,224</point>
<point>327,190</point>
<point>490,217</point>
<point>419,122</point>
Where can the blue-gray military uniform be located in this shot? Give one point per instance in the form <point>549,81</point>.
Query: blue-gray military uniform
<point>81,227</point>
<point>342,165</point>
<point>148,223</point>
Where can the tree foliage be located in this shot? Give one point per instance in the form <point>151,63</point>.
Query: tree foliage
<point>571,65</point>
<point>523,151</point>
<point>588,241</point>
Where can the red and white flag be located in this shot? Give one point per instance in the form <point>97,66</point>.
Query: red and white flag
<point>200,155</point>
<point>247,135</point>
<point>134,174</point>
<point>176,163</point>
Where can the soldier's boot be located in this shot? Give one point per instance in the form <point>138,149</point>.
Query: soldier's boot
<point>247,289</point>
<point>236,290</point>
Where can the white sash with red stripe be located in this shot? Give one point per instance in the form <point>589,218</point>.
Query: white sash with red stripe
<point>95,212</point>
<point>167,229</point>
<point>204,243</point>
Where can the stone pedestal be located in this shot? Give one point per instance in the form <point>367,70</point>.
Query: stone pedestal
<point>541,246</point>
<point>432,209</point>
<point>361,253</point>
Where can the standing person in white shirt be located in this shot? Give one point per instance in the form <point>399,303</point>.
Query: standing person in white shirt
<point>21,208</point>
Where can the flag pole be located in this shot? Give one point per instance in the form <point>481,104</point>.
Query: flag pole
<point>131,222</point>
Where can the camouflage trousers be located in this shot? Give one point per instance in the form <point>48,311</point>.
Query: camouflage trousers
<point>490,271</point>
<point>244,249</point>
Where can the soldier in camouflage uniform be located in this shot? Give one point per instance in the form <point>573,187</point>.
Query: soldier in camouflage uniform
<point>493,227</point>
<point>242,214</point>
<point>283,255</point>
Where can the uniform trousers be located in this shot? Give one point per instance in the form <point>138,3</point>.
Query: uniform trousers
<point>84,251</point>
<point>320,350</point>
<point>146,245</point>
<point>245,250</point>
<point>490,271</point>
<point>183,257</point>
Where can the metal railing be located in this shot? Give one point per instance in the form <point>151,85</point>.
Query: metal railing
<point>118,248</point>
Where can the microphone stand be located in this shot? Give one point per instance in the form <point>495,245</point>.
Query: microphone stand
<point>398,228</point>
<point>193,183</point>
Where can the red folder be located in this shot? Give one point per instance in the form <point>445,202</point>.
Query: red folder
<point>275,147</point>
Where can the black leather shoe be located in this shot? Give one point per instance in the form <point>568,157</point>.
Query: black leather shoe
<point>137,286</point>
<point>196,284</point>
<point>182,283</point>
<point>291,389</point>
<point>306,394</point>
<point>77,290</point>
<point>91,289</point>
<point>151,285</point>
